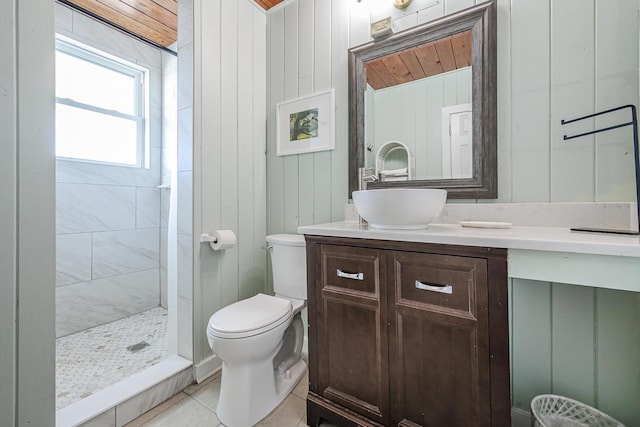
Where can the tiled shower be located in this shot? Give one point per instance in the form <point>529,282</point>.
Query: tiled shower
<point>111,238</point>
<point>108,247</point>
<point>109,277</point>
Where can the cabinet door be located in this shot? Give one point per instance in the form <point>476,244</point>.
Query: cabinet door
<point>352,330</point>
<point>439,341</point>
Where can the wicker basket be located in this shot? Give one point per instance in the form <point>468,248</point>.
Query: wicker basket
<point>550,410</point>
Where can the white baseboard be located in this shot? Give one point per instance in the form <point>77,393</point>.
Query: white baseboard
<point>520,418</point>
<point>206,368</point>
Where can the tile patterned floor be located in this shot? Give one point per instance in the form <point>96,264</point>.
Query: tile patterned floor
<point>195,407</point>
<point>90,360</point>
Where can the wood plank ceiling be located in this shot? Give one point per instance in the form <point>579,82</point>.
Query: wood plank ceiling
<point>440,56</point>
<point>152,20</point>
<point>267,4</point>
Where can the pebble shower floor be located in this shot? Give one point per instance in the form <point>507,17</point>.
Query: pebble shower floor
<point>93,359</point>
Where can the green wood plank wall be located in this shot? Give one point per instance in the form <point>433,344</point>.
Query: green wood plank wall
<point>579,342</point>
<point>229,163</point>
<point>555,60</point>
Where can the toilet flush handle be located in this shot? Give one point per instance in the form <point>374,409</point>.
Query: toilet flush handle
<point>269,247</point>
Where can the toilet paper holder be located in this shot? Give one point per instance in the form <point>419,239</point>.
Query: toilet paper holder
<point>208,238</point>
<point>219,240</point>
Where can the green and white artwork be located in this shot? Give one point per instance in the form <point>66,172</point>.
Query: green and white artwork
<point>303,125</point>
<point>306,124</point>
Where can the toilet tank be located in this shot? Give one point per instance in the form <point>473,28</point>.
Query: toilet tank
<point>289,265</point>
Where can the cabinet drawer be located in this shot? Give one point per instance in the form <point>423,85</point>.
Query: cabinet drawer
<point>438,280</point>
<point>352,268</point>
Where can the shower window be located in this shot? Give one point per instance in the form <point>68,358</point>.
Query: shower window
<point>100,107</point>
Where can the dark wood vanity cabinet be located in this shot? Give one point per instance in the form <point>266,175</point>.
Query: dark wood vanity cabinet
<point>407,334</point>
<point>351,325</point>
<point>439,336</point>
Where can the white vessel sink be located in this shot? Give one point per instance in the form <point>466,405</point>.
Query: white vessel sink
<point>400,208</point>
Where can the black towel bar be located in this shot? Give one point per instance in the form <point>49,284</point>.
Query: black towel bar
<point>634,123</point>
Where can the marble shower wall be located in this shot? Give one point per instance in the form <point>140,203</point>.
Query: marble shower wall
<point>108,218</point>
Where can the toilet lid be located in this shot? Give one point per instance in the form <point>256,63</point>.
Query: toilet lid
<point>250,316</point>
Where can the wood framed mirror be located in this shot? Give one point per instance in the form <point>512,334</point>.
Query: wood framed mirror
<point>413,88</point>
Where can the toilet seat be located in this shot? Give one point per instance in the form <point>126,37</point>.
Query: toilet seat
<point>249,317</point>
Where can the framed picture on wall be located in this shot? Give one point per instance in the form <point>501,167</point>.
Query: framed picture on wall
<point>306,124</point>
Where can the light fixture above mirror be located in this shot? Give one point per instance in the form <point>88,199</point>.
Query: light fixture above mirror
<point>402,4</point>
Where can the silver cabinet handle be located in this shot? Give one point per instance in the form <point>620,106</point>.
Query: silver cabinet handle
<point>443,289</point>
<point>353,276</point>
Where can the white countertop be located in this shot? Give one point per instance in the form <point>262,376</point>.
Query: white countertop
<point>517,237</point>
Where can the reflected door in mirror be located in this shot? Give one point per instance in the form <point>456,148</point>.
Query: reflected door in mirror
<point>457,148</point>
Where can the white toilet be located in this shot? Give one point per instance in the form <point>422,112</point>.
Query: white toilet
<point>259,339</point>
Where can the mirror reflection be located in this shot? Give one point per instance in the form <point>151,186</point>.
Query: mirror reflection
<point>394,162</point>
<point>421,98</point>
<point>422,106</point>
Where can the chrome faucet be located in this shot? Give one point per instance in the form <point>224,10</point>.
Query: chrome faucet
<point>365,177</point>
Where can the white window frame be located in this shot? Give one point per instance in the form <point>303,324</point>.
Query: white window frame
<point>141,111</point>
